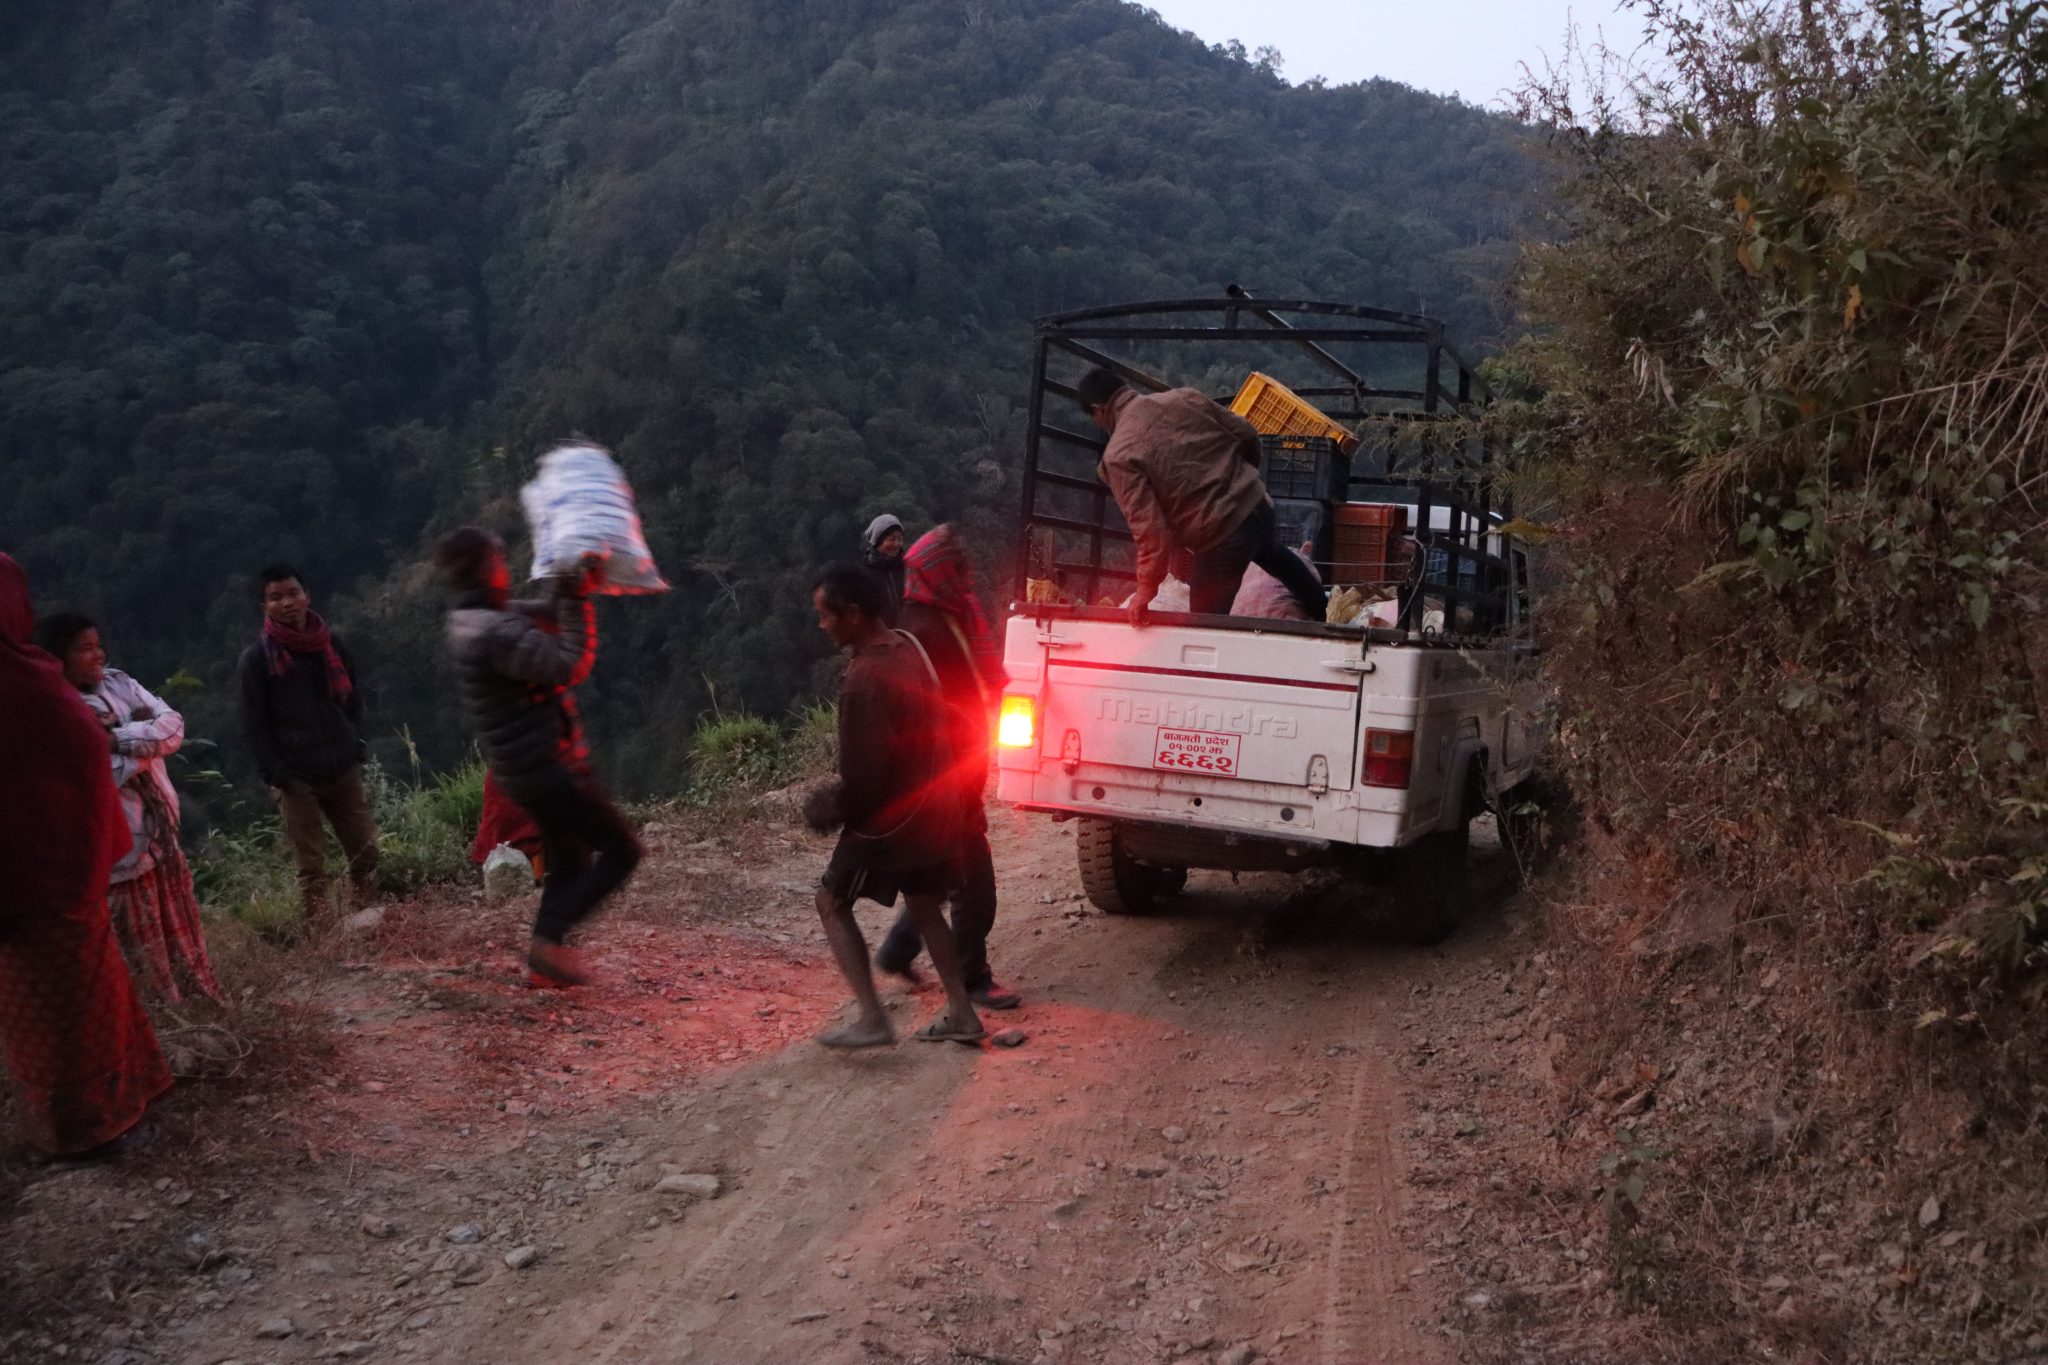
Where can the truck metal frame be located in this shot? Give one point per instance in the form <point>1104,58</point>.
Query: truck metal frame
<point>1234,742</point>
<point>1459,491</point>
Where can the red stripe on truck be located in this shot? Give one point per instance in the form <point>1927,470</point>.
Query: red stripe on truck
<point>1204,673</point>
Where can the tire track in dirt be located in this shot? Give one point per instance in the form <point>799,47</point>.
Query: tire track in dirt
<point>1366,1317</point>
<point>1198,1151</point>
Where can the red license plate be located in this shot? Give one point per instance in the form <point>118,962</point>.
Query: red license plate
<point>1196,751</point>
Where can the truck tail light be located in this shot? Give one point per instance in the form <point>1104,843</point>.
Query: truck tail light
<point>1017,723</point>
<point>1389,757</point>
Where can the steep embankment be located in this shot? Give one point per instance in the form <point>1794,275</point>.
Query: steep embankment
<point>1790,393</point>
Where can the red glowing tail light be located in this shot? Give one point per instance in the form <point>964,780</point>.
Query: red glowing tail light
<point>1389,758</point>
<point>1017,723</point>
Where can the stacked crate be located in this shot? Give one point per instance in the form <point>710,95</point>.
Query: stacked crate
<point>1306,476</point>
<point>1367,544</point>
<point>1306,460</point>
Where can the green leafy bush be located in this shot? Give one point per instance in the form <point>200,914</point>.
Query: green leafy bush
<point>737,754</point>
<point>732,753</point>
<point>1792,380</point>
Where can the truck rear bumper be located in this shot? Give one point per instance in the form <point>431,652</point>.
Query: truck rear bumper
<point>1212,807</point>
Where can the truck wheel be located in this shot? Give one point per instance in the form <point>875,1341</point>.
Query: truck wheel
<point>1430,884</point>
<point>1115,882</point>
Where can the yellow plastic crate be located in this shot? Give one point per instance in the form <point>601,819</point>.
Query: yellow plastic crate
<point>1277,410</point>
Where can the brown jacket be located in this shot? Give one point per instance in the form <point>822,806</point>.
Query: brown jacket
<point>1176,465</point>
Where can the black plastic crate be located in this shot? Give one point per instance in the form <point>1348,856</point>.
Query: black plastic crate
<point>1304,467</point>
<point>1305,521</point>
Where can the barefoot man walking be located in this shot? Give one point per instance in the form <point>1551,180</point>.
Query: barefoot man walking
<point>897,807</point>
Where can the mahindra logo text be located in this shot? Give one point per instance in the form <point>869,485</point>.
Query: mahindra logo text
<point>1216,716</point>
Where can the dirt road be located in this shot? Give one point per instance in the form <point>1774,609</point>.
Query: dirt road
<point>1197,1153</point>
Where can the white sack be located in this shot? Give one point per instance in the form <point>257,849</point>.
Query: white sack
<point>579,503</point>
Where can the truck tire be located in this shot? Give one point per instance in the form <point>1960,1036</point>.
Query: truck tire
<point>1430,883</point>
<point>1115,882</point>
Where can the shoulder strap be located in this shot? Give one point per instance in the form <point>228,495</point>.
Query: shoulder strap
<point>922,653</point>
<point>924,792</point>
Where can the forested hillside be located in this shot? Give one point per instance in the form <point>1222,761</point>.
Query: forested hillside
<point>315,280</point>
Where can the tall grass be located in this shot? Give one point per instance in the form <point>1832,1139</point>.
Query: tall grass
<point>734,754</point>
<point>424,830</point>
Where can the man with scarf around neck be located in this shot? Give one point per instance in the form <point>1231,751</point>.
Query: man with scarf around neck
<point>302,716</point>
<point>516,678</point>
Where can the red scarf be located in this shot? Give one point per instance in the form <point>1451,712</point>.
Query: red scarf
<point>938,573</point>
<point>281,642</point>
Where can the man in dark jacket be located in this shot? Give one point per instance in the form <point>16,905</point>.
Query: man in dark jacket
<point>941,611</point>
<point>897,804</point>
<point>515,679</point>
<point>301,715</point>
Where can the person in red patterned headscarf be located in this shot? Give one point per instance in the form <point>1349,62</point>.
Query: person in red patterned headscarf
<point>941,610</point>
<point>84,1060</point>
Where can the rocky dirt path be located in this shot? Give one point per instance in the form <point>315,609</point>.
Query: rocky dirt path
<point>1202,1151</point>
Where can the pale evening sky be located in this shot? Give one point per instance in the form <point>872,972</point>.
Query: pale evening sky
<point>1470,48</point>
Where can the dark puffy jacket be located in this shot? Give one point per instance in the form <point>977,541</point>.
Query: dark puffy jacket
<point>292,724</point>
<point>887,571</point>
<point>515,678</point>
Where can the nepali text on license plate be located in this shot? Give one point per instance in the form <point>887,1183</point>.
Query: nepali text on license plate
<point>1196,751</point>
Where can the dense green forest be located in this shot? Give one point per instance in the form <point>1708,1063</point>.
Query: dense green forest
<point>315,279</point>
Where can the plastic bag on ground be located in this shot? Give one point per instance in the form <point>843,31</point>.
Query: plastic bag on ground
<point>580,503</point>
<point>507,873</point>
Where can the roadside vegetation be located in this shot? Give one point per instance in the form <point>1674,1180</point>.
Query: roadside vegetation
<point>1788,374</point>
<point>736,755</point>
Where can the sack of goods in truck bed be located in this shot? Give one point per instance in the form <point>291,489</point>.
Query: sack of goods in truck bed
<point>579,503</point>
<point>1172,596</point>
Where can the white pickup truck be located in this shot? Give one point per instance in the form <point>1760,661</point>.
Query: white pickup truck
<point>1255,744</point>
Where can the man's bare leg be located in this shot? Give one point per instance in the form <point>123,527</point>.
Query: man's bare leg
<point>870,1027</point>
<point>962,1022</point>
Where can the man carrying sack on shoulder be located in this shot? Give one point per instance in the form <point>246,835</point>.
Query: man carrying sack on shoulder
<point>516,679</point>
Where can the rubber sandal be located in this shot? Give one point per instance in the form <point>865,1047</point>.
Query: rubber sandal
<point>907,972</point>
<point>994,997</point>
<point>852,1036</point>
<point>944,1030</point>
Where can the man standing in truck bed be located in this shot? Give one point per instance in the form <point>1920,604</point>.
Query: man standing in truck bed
<point>1184,470</point>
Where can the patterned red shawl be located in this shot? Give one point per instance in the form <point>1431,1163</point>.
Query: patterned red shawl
<point>280,642</point>
<point>938,573</point>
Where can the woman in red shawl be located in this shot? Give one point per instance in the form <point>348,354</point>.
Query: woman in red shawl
<point>84,1060</point>
<point>942,611</point>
